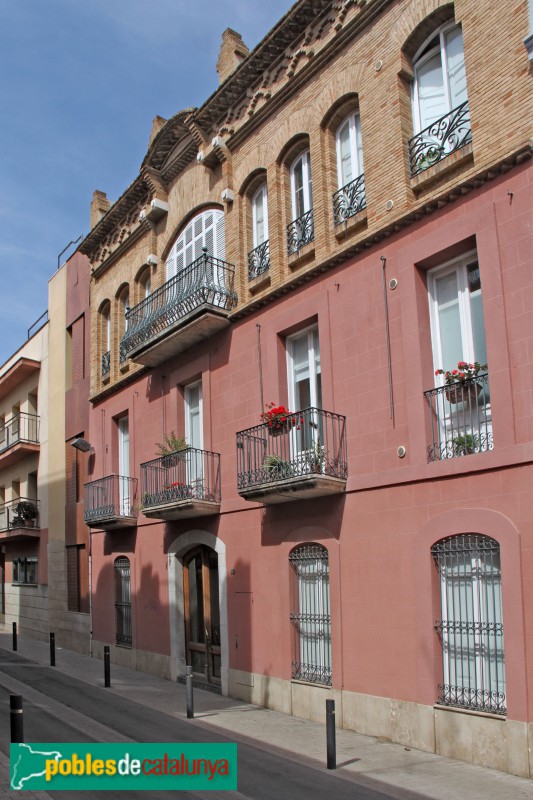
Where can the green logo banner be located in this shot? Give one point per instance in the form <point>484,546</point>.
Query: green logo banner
<point>128,766</point>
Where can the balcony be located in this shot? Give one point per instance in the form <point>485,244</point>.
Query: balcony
<point>300,232</point>
<point>259,261</point>
<point>349,201</point>
<point>181,484</point>
<point>111,503</point>
<point>440,139</point>
<point>190,307</point>
<point>460,419</point>
<point>19,437</point>
<point>303,459</point>
<point>19,519</point>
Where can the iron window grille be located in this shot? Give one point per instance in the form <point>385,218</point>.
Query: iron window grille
<point>206,281</point>
<point>123,602</point>
<point>106,364</point>
<point>25,570</point>
<point>349,200</point>
<point>440,139</point>
<point>471,628</point>
<point>300,232</point>
<point>312,442</point>
<point>460,419</point>
<point>110,497</point>
<point>259,260</point>
<point>310,614</point>
<point>188,474</point>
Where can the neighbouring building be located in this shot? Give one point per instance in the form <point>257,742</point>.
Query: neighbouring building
<point>284,491</point>
<point>44,541</point>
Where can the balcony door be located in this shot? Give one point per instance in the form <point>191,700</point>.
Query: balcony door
<point>202,613</point>
<point>305,391</point>
<point>204,230</point>
<point>124,467</point>
<point>194,437</point>
<point>458,334</point>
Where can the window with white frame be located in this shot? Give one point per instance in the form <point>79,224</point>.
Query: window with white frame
<point>194,437</point>
<point>204,230</point>
<point>439,95</point>
<point>301,185</point>
<point>310,614</point>
<point>471,628</point>
<point>460,413</point>
<point>304,371</point>
<point>349,150</point>
<point>25,570</point>
<point>350,198</point>
<point>456,311</point>
<point>260,216</point>
<point>301,230</point>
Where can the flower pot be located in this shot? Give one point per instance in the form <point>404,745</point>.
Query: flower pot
<point>462,393</point>
<point>277,428</point>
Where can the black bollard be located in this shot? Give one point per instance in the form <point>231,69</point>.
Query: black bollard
<point>17,723</point>
<point>107,667</point>
<point>52,649</point>
<point>14,636</point>
<point>330,735</point>
<point>190,696</point>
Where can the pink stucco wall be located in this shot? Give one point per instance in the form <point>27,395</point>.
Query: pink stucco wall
<point>384,589</point>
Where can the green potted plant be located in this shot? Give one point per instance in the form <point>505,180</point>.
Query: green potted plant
<point>466,444</point>
<point>26,512</point>
<point>315,459</point>
<point>276,468</point>
<point>172,449</point>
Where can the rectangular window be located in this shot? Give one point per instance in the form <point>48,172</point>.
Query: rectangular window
<point>25,570</point>
<point>460,413</point>
<point>194,437</point>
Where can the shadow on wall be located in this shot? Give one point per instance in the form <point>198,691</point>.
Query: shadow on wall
<point>279,521</point>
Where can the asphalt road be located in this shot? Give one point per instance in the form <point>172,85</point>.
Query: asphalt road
<point>59,708</point>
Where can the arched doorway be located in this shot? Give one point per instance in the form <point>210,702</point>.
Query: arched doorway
<point>202,614</point>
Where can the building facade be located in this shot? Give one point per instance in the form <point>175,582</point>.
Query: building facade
<point>286,491</point>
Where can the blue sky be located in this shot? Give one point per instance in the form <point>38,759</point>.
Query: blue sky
<point>81,83</point>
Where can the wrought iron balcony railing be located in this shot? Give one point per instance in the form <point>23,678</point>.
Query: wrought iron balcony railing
<point>19,513</point>
<point>106,364</point>
<point>259,260</point>
<point>20,429</point>
<point>110,499</point>
<point>440,139</point>
<point>207,281</point>
<point>460,419</point>
<point>349,201</point>
<point>300,232</point>
<point>313,442</point>
<point>188,474</point>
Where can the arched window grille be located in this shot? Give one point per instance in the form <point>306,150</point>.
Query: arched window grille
<point>471,628</point>
<point>122,602</point>
<point>310,614</point>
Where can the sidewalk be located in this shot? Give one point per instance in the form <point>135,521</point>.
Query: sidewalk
<point>404,773</point>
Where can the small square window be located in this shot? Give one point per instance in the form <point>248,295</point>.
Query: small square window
<point>25,570</point>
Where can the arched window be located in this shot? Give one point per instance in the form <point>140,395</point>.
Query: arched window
<point>301,230</point>
<point>259,256</point>
<point>124,307</point>
<point>105,340</point>
<point>350,197</point>
<point>310,614</point>
<point>441,117</point>
<point>145,284</point>
<point>123,635</point>
<point>204,230</point>
<point>471,628</point>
